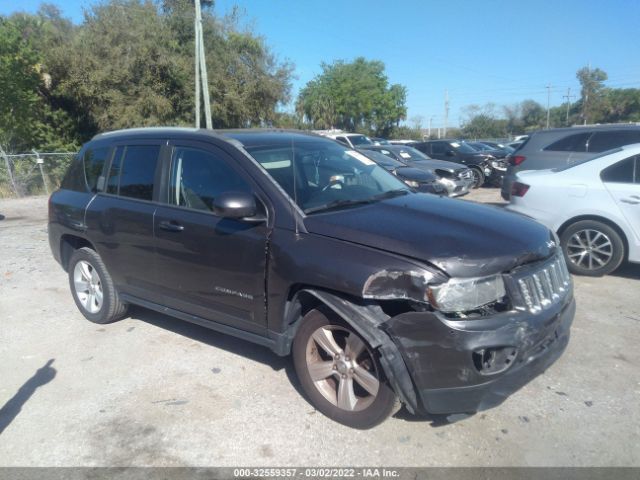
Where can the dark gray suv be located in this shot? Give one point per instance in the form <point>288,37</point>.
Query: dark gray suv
<point>307,247</point>
<point>559,147</point>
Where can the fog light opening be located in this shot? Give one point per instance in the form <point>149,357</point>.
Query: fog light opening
<point>489,361</point>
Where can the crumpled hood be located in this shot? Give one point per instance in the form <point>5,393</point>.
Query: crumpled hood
<point>416,174</point>
<point>462,238</point>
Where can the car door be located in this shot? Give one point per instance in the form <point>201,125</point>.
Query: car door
<point>209,266</point>
<point>120,217</point>
<point>622,180</point>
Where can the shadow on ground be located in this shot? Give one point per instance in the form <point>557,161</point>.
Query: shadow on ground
<point>247,349</point>
<point>257,353</point>
<point>628,270</point>
<point>12,408</point>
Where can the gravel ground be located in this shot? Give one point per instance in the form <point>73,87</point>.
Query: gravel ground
<point>151,390</point>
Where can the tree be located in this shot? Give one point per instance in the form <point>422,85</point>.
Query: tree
<point>130,63</point>
<point>592,93</point>
<point>622,105</point>
<point>353,96</point>
<point>20,82</point>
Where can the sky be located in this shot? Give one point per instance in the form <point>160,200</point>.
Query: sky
<point>478,51</point>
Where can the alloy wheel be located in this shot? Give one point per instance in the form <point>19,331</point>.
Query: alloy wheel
<point>590,249</point>
<point>88,286</point>
<point>342,368</point>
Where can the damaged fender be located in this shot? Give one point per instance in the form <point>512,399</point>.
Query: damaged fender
<point>366,320</point>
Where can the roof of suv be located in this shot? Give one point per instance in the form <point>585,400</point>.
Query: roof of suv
<point>587,128</point>
<point>247,137</point>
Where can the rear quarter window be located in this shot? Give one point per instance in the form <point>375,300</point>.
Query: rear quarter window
<point>94,160</point>
<point>624,171</point>
<point>74,178</point>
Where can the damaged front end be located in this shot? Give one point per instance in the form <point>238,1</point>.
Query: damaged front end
<point>467,344</point>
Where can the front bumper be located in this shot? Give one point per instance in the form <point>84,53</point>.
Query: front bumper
<point>441,354</point>
<point>432,187</point>
<point>494,176</point>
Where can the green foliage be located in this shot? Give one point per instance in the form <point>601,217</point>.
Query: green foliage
<point>130,63</point>
<point>353,96</point>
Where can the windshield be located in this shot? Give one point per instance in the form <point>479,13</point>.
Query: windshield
<point>381,159</point>
<point>463,147</point>
<point>411,154</point>
<point>319,174</point>
<point>360,140</point>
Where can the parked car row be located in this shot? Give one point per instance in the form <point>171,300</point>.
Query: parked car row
<point>454,178</point>
<point>584,184</point>
<point>487,167</point>
<point>292,241</point>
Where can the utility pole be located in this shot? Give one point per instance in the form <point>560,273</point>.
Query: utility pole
<point>430,121</point>
<point>548,87</point>
<point>586,95</point>
<point>568,96</point>
<point>197,68</point>
<point>200,58</point>
<point>446,112</point>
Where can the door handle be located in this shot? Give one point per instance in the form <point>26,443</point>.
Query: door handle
<point>171,226</point>
<point>629,201</point>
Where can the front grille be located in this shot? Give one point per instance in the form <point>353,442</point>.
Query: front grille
<point>542,287</point>
<point>464,174</point>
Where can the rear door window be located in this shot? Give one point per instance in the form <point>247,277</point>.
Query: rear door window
<point>133,171</point>
<point>624,171</point>
<point>602,141</point>
<point>576,142</point>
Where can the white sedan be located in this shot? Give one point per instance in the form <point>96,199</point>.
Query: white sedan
<point>593,205</point>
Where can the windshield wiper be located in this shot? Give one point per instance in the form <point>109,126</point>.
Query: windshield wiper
<point>345,202</point>
<point>391,193</point>
<point>338,204</point>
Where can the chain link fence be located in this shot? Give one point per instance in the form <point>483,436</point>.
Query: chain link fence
<point>37,173</point>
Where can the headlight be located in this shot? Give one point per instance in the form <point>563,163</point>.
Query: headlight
<point>460,295</point>
<point>412,183</point>
<point>495,164</point>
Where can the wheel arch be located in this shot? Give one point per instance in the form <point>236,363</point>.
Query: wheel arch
<point>597,218</point>
<point>364,317</point>
<point>70,243</point>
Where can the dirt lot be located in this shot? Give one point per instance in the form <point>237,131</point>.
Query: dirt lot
<point>151,390</point>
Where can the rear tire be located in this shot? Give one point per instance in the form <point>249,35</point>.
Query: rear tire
<point>348,383</point>
<point>92,288</point>
<point>592,248</point>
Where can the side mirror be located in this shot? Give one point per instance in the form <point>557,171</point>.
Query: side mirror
<point>235,205</point>
<point>450,153</point>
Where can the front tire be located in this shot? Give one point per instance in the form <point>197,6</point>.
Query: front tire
<point>340,373</point>
<point>592,248</point>
<point>478,178</point>
<point>92,288</point>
